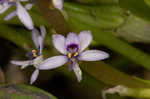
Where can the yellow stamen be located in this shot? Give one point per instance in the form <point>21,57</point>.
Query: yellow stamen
<point>34,52</point>
<point>11,0</point>
<point>35,55</point>
<point>72,59</point>
<point>69,55</point>
<point>76,54</point>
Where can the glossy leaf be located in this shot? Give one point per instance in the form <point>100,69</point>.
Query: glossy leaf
<point>12,91</point>
<point>134,29</point>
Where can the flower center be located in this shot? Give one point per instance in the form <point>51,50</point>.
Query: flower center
<point>72,48</point>
<point>72,59</point>
<point>72,51</point>
<point>33,54</point>
<point>72,56</point>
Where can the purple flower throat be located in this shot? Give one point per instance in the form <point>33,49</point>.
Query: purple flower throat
<point>72,54</point>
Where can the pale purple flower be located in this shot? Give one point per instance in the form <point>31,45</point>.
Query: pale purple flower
<point>73,47</point>
<point>21,11</point>
<point>36,56</point>
<point>58,4</point>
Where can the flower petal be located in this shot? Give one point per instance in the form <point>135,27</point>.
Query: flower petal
<point>41,43</point>
<point>59,43</point>
<point>35,35</point>
<point>53,62</point>
<point>43,31</point>
<point>93,55</point>
<point>58,4</point>
<point>72,38</point>
<point>24,16</point>
<point>29,6</point>
<point>4,7</point>
<point>85,38</point>
<point>23,64</point>
<point>10,16</point>
<point>34,76</point>
<point>77,71</point>
<point>37,61</point>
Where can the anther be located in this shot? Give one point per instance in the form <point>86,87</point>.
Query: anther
<point>34,52</point>
<point>69,55</point>
<point>76,54</point>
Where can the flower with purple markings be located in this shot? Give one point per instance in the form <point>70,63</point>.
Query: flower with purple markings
<point>20,11</point>
<point>36,57</point>
<point>73,47</point>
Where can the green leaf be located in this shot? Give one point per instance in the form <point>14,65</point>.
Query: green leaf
<point>147,2</point>
<point>96,16</point>
<point>99,1</point>
<point>137,7</point>
<point>111,76</point>
<point>134,29</point>
<point>12,91</point>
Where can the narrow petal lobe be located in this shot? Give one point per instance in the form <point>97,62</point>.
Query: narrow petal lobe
<point>93,55</point>
<point>29,6</point>
<point>43,31</point>
<point>59,43</point>
<point>34,76</point>
<point>4,7</point>
<point>10,16</point>
<point>85,38</point>
<point>72,38</point>
<point>77,71</point>
<point>58,4</point>
<point>24,16</point>
<point>23,64</point>
<point>53,62</point>
<point>35,37</point>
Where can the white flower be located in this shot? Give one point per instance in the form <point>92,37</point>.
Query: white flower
<point>58,4</point>
<point>73,47</point>
<point>21,12</point>
<point>36,56</point>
